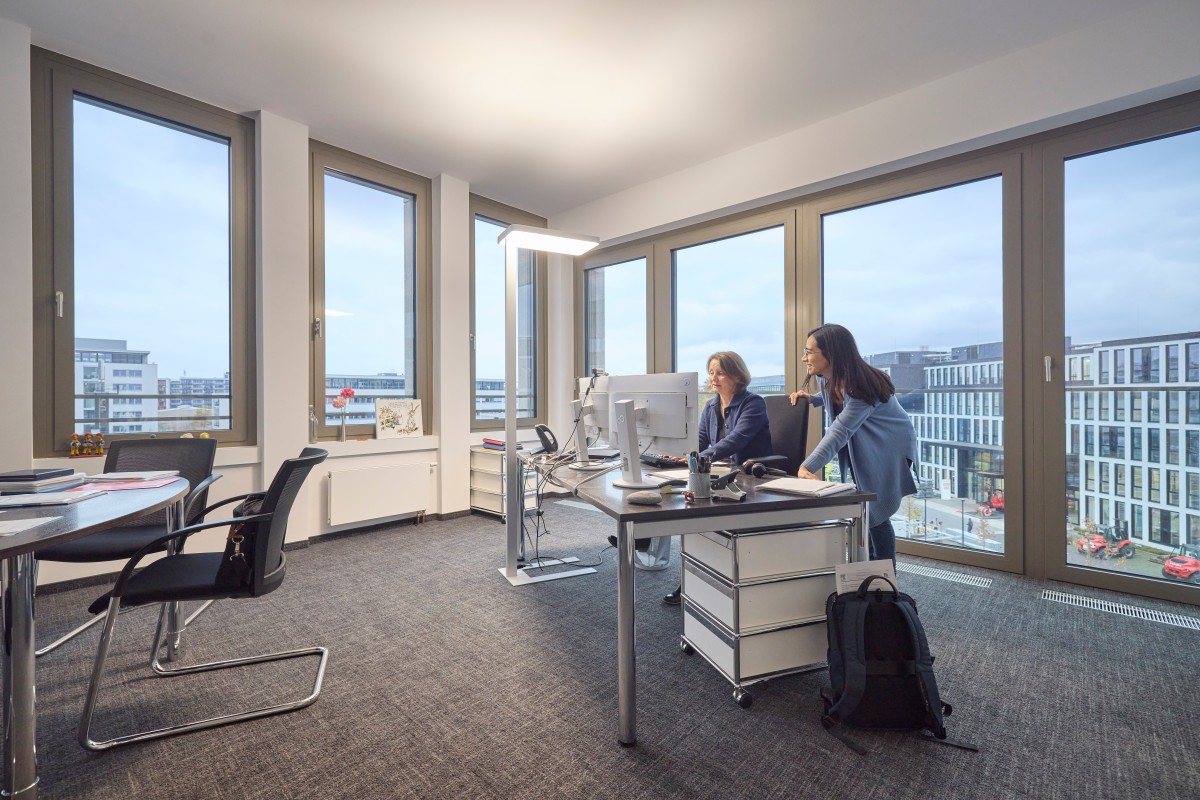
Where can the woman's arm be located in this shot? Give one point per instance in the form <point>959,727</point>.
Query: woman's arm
<point>844,426</point>
<point>752,416</point>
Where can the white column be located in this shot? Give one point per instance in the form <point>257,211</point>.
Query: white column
<point>451,340</point>
<point>16,254</point>
<point>282,209</point>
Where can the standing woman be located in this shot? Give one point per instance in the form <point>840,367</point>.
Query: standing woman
<point>869,433</point>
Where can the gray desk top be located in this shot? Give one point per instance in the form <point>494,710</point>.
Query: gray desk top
<point>87,516</point>
<point>611,500</point>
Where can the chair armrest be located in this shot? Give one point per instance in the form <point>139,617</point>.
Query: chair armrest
<point>194,495</point>
<point>182,533</point>
<point>229,500</point>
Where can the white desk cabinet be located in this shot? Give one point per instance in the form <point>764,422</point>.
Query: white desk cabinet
<point>488,484</point>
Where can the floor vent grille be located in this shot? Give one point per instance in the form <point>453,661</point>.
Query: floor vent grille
<point>1123,609</point>
<point>946,575</point>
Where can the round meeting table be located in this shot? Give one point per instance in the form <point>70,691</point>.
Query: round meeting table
<point>62,523</point>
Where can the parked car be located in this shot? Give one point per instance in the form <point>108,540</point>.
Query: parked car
<point>1183,565</point>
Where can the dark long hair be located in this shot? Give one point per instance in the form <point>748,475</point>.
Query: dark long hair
<point>851,374</point>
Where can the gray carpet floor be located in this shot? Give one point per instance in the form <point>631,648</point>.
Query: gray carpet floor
<point>445,682</point>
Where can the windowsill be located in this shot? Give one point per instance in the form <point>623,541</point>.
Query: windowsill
<point>367,447</point>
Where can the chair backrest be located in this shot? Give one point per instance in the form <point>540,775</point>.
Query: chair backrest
<point>268,535</point>
<point>789,429</point>
<point>193,458</point>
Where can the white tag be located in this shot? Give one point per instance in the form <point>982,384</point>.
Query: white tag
<point>849,577</point>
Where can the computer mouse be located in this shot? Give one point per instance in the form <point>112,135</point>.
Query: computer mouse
<point>646,498</point>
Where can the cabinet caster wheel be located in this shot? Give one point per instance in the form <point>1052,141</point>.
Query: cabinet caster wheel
<point>743,698</point>
<point>686,648</point>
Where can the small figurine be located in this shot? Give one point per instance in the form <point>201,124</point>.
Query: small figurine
<point>99,444</point>
<point>187,436</point>
<point>75,444</point>
<point>88,446</point>
<point>204,435</point>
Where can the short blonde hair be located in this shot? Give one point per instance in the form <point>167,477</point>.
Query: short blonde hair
<point>732,365</point>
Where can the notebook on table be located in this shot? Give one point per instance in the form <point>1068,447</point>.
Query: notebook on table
<point>806,487</point>
<point>49,499</point>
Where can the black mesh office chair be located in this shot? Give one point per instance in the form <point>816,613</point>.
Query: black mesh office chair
<point>194,576</point>
<point>192,458</point>
<point>789,429</point>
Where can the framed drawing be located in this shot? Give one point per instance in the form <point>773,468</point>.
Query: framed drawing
<point>397,418</point>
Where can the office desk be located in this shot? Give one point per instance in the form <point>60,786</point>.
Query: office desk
<point>73,522</point>
<point>673,517</point>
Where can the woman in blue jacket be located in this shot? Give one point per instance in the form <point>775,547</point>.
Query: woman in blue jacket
<point>869,433</point>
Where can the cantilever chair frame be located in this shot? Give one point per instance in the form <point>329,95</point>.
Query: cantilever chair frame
<point>113,612</point>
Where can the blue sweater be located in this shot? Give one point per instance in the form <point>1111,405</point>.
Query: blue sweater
<point>881,446</point>
<point>747,434</point>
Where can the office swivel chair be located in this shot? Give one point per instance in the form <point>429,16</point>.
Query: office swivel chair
<point>789,429</point>
<point>192,458</point>
<point>194,576</point>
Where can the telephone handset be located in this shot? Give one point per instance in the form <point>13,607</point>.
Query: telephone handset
<point>546,437</point>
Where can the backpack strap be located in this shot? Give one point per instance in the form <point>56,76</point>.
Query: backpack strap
<point>853,662</point>
<point>924,671</point>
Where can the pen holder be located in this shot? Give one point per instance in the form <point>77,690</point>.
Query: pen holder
<point>700,483</point>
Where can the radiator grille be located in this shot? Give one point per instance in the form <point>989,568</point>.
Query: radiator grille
<point>946,575</point>
<point>1124,609</point>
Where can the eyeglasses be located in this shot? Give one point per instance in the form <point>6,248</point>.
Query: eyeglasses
<point>808,352</point>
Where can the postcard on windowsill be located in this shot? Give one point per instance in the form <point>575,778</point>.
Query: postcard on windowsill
<point>848,577</point>
<point>395,419</point>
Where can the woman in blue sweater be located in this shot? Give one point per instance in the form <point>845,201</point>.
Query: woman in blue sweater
<point>868,432</point>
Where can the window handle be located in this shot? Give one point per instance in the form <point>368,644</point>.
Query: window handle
<point>1049,366</point>
<point>58,304</point>
<point>316,327</point>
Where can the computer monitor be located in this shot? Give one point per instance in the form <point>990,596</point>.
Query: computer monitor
<point>652,412</point>
<point>590,414</point>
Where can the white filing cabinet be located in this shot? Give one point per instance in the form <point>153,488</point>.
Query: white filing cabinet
<point>754,600</point>
<point>488,486</point>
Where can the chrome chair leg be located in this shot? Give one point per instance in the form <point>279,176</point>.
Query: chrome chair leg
<point>85,722</point>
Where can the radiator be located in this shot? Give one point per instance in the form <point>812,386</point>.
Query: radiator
<point>356,495</point>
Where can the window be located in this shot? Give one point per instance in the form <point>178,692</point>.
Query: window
<point>614,318</point>
<point>370,289</point>
<point>488,220</point>
<point>1193,361</point>
<point>1118,366</point>
<point>127,174</point>
<point>1144,364</point>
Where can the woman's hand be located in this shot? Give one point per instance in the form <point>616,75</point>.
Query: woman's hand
<point>803,473</point>
<point>794,396</point>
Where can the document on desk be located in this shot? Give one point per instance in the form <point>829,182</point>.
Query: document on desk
<point>10,526</point>
<point>806,487</point>
<point>848,577</point>
<point>682,474</point>
<point>49,499</point>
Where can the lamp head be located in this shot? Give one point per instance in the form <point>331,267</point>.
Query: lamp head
<point>530,238</point>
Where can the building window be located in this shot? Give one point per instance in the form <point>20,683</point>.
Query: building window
<point>130,172</point>
<point>1192,351</point>
<point>1144,364</point>
<point>370,289</point>
<point>1118,366</point>
<point>488,221</point>
<point>1172,363</point>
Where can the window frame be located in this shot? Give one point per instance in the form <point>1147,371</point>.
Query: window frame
<point>56,80</point>
<point>506,215</point>
<point>324,156</point>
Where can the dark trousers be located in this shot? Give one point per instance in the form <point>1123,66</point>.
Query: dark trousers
<point>883,541</point>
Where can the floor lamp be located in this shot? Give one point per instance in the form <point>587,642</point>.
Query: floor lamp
<point>514,238</point>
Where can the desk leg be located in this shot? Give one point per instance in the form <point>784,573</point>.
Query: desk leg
<point>626,650</point>
<point>863,529</point>
<point>20,729</point>
<point>174,523</point>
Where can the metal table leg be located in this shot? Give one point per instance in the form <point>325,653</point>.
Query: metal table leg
<point>20,729</point>
<point>175,521</point>
<point>626,650</point>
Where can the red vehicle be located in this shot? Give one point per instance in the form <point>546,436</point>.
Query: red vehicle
<point>1109,544</point>
<point>992,504</point>
<point>1184,565</point>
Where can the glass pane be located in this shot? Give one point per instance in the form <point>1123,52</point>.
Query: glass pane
<point>489,325</point>
<point>615,321</point>
<point>932,320</point>
<point>729,296</point>
<point>1132,256</point>
<point>370,282</point>
<point>152,274</point>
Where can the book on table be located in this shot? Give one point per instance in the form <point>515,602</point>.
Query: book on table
<point>32,475</point>
<point>47,498</point>
<point>806,487</point>
<point>124,477</point>
<point>43,485</point>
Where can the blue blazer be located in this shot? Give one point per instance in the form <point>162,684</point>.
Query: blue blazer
<point>747,434</point>
<point>880,444</point>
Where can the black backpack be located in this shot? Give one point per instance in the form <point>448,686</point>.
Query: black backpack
<point>880,668</point>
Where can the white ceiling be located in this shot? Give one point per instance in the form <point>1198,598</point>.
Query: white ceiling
<point>547,104</point>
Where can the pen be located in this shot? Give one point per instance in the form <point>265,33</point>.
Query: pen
<point>693,461</point>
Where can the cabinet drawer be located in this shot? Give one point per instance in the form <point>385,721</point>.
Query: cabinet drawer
<point>750,555</point>
<point>744,608</point>
<point>495,481</point>
<point>757,655</point>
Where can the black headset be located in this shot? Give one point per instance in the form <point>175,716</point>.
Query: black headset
<point>759,470</point>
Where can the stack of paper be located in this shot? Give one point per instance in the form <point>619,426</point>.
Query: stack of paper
<point>47,499</point>
<point>124,477</point>
<point>36,481</point>
<point>806,487</point>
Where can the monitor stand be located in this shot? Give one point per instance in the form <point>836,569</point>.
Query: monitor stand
<point>631,466</point>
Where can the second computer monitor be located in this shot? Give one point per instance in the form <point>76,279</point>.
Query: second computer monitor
<point>664,418</point>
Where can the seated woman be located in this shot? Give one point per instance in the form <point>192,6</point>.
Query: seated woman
<point>733,425</point>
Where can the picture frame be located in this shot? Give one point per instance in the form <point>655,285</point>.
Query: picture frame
<point>396,419</point>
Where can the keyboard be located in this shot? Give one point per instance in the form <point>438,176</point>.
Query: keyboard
<point>660,461</point>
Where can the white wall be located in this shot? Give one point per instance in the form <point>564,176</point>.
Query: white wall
<point>1134,58</point>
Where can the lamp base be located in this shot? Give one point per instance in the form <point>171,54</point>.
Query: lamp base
<point>523,579</point>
